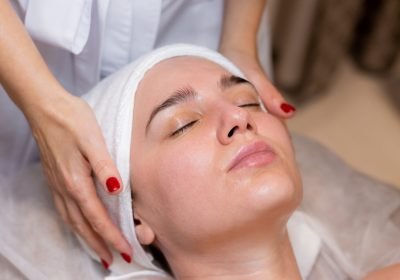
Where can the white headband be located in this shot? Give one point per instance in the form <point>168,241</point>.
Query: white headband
<point>112,101</point>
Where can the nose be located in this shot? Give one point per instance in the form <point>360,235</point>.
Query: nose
<point>234,121</point>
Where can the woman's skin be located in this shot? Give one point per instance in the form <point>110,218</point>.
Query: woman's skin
<point>52,112</point>
<point>388,273</point>
<point>212,221</point>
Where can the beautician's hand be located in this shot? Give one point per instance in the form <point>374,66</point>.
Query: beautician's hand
<point>239,43</point>
<point>72,150</point>
<point>251,68</point>
<point>70,142</point>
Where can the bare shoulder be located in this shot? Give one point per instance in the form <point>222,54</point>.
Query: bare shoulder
<point>388,273</point>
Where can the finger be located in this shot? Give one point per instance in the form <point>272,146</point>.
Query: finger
<point>99,219</point>
<point>272,99</point>
<point>74,218</point>
<point>95,150</point>
<point>60,206</point>
<point>79,224</point>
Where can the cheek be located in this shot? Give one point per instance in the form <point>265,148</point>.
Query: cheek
<point>182,173</point>
<point>276,132</point>
<point>276,192</point>
<point>280,184</point>
<point>273,128</point>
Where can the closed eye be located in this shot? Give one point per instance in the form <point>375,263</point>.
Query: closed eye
<point>183,128</point>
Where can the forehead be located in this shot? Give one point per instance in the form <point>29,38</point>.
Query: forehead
<point>174,73</point>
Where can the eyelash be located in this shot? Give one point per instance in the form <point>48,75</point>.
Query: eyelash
<point>188,125</point>
<point>183,128</point>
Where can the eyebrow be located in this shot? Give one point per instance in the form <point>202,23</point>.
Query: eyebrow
<point>188,93</point>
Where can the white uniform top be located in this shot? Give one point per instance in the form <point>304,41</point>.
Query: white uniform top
<point>82,41</point>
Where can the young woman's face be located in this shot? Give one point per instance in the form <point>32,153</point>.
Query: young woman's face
<point>207,161</point>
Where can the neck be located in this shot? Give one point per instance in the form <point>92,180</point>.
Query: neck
<point>270,259</point>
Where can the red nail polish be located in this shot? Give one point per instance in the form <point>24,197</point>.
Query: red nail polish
<point>287,108</point>
<point>104,263</point>
<point>112,184</point>
<point>126,257</point>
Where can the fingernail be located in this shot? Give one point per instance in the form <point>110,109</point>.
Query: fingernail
<point>112,184</point>
<point>104,263</point>
<point>287,108</point>
<point>126,257</point>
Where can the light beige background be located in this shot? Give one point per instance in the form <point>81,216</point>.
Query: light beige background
<point>356,119</point>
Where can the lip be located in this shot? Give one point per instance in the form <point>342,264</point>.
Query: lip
<point>255,154</point>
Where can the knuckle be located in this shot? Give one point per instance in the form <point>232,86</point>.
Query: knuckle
<point>59,205</point>
<point>81,197</point>
<point>98,226</point>
<point>77,227</point>
<point>63,217</point>
<point>99,166</point>
<point>61,213</point>
<point>72,185</point>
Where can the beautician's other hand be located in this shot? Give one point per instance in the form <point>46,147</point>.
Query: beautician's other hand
<point>72,150</point>
<point>251,68</point>
<point>239,43</point>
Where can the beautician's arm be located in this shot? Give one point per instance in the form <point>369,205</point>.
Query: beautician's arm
<point>239,44</point>
<point>69,138</point>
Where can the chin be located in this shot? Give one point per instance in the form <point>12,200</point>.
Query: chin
<point>276,193</point>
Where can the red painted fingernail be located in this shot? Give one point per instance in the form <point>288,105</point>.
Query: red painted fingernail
<point>112,184</point>
<point>126,257</point>
<point>104,263</point>
<point>287,108</point>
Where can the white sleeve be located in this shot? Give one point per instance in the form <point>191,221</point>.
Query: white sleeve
<point>356,217</point>
<point>65,24</point>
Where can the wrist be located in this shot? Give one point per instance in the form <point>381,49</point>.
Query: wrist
<point>44,103</point>
<point>229,49</point>
<point>240,26</point>
<point>241,56</point>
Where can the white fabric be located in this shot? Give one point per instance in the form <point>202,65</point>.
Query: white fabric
<point>76,13</point>
<point>103,36</point>
<point>305,242</point>
<point>34,243</point>
<point>356,217</point>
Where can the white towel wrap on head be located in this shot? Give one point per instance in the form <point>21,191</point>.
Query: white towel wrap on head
<point>113,102</point>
